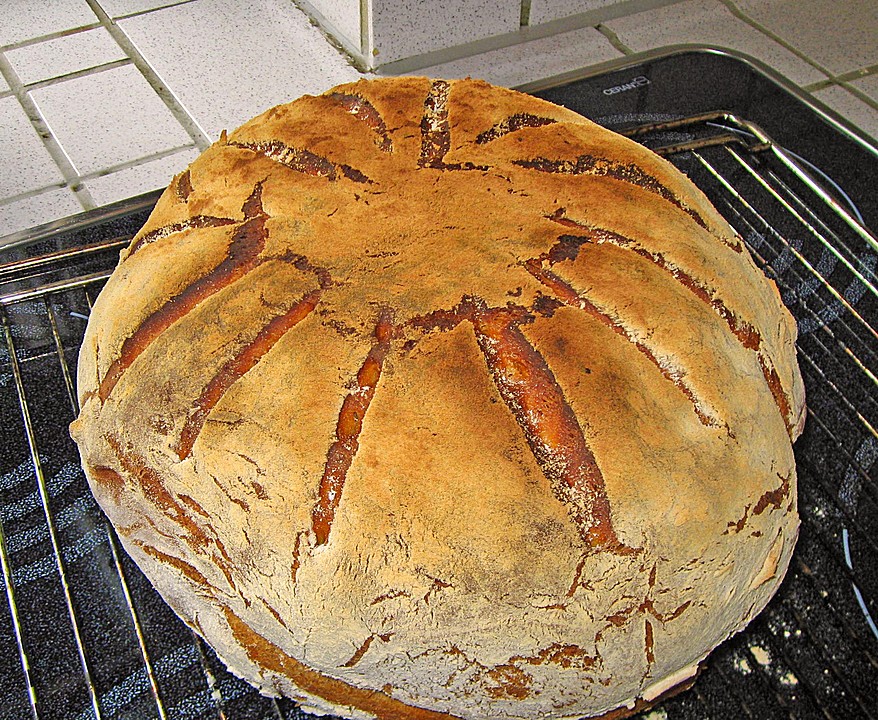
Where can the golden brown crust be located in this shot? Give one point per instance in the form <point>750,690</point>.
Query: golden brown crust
<point>425,398</point>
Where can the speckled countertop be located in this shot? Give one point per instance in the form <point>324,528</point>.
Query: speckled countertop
<point>102,100</point>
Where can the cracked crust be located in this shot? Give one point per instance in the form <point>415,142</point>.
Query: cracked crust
<point>428,399</point>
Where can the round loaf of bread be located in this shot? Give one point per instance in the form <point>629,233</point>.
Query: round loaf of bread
<point>429,399</point>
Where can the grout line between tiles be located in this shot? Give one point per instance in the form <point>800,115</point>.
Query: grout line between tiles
<point>6,93</point>
<point>94,70</point>
<point>771,35</point>
<point>41,126</point>
<point>613,39</point>
<point>858,74</point>
<point>355,53</point>
<point>161,154</point>
<point>846,80</point>
<point>10,199</point>
<point>365,27</point>
<point>103,172</point>
<point>860,95</point>
<point>49,36</point>
<point>819,85</point>
<point>138,13</point>
<point>524,16</point>
<point>847,77</point>
<point>184,117</point>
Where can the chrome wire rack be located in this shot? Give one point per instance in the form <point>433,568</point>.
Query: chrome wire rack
<point>83,635</point>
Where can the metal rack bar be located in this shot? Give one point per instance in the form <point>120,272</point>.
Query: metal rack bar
<point>763,142</point>
<point>798,216</point>
<point>53,287</point>
<point>17,268</point>
<point>824,233</point>
<point>16,622</point>
<point>50,522</point>
<point>138,629</point>
<point>823,327</point>
<point>210,679</point>
<point>801,258</point>
<point>111,536</point>
<point>59,349</point>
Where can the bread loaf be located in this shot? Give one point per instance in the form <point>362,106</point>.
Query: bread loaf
<point>429,399</point>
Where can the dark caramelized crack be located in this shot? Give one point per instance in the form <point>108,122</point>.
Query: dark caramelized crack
<point>438,320</point>
<point>275,614</point>
<point>530,390</point>
<point>673,615</point>
<point>153,487</point>
<point>568,295</point>
<point>353,174</point>
<point>630,173</point>
<point>238,365</point>
<point>744,331</point>
<point>347,431</point>
<point>360,651</point>
<point>301,160</point>
<point>188,570</point>
<point>436,131</point>
<point>108,479</point>
<point>577,578</point>
<point>242,256</point>
<point>364,111</point>
<point>377,703</point>
<point>193,223</point>
<point>194,504</point>
<point>773,498</point>
<point>772,379</point>
<point>183,186</point>
<point>739,524</point>
<point>649,642</point>
<point>511,124</point>
<point>566,656</point>
<point>390,596</point>
<point>551,429</point>
<point>511,682</point>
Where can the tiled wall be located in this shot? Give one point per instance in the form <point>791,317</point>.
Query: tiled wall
<point>101,100</point>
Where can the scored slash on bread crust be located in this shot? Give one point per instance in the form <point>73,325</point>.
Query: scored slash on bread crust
<point>425,398</point>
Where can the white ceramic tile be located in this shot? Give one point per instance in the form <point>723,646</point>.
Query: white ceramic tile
<point>36,210</point>
<point>248,58</point>
<point>25,19</point>
<point>66,54</point>
<point>404,28</point>
<point>115,8</point>
<point>530,61</point>
<point>343,18</point>
<point>851,108</point>
<point>143,178</point>
<point>545,10</point>
<point>841,35</point>
<point>709,22</point>
<point>26,163</point>
<point>108,118</point>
